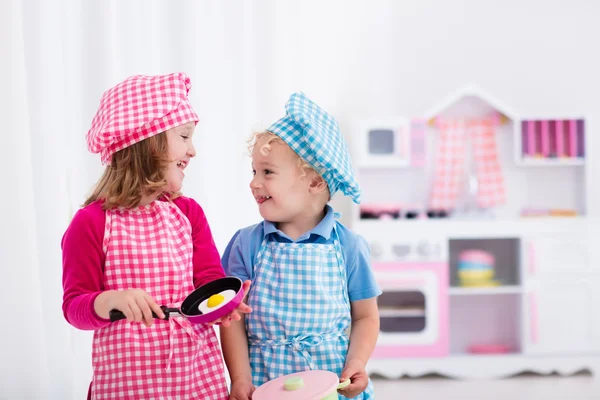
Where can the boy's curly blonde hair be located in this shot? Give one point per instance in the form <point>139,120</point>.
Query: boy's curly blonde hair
<point>266,148</point>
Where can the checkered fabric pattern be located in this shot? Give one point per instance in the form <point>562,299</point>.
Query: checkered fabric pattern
<point>301,311</point>
<point>151,248</point>
<point>139,107</point>
<point>315,136</point>
<point>491,191</point>
<point>451,159</point>
<point>449,164</point>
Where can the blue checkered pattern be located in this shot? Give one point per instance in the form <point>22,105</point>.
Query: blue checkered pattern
<point>315,136</point>
<point>300,311</point>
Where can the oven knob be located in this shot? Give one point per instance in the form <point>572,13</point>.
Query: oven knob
<point>376,250</point>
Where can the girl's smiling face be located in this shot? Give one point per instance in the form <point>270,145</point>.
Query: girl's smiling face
<point>181,150</point>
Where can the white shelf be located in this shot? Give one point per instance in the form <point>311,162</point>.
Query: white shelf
<point>472,366</point>
<point>476,228</point>
<point>551,162</point>
<point>472,291</point>
<point>467,355</point>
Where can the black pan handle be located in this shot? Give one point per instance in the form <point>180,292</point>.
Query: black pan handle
<point>116,315</point>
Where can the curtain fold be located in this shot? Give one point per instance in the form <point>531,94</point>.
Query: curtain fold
<point>23,353</point>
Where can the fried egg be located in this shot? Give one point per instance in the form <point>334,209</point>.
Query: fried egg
<point>216,301</point>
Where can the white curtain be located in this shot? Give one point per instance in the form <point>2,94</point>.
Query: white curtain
<point>58,58</point>
<point>23,353</point>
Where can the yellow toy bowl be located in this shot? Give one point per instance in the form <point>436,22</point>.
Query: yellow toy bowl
<point>475,275</point>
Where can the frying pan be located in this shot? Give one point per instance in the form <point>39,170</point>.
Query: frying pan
<point>189,308</point>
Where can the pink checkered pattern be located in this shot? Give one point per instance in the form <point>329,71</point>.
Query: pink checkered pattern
<point>450,162</point>
<point>137,108</point>
<point>151,248</point>
<point>491,191</point>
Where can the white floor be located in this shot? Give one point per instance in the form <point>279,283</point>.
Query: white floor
<point>530,387</point>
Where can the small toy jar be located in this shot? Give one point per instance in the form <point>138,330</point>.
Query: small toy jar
<point>305,385</point>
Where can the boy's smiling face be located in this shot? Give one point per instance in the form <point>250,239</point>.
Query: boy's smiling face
<point>281,191</point>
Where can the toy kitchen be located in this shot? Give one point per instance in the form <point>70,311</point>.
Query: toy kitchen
<point>480,239</point>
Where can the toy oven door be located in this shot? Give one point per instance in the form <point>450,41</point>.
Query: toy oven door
<point>413,309</point>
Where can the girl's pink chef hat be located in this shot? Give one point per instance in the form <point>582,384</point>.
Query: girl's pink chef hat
<point>139,107</point>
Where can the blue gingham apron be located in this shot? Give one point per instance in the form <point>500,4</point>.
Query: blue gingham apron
<point>301,311</point>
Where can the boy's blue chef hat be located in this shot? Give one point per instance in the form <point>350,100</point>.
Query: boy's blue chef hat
<point>315,136</point>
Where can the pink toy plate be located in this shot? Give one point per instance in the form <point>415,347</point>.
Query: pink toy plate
<point>489,349</point>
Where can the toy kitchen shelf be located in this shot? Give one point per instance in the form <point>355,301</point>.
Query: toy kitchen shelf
<point>542,165</point>
<point>551,142</point>
<point>537,311</point>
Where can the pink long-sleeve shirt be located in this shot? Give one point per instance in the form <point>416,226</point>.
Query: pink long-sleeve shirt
<point>83,260</point>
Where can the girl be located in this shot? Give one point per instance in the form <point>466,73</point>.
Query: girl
<point>311,276</point>
<point>138,243</point>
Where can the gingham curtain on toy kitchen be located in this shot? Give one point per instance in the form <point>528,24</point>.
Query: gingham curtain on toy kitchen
<point>450,163</point>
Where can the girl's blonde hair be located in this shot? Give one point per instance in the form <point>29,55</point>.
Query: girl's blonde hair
<point>136,171</point>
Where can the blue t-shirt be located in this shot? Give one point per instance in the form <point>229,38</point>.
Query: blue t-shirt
<point>240,255</point>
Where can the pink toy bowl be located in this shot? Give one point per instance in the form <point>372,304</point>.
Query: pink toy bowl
<point>191,306</point>
<point>305,385</point>
<point>477,256</point>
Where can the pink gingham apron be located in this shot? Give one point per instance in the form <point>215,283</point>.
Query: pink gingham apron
<point>151,248</point>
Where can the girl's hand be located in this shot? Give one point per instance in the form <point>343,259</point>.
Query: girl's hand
<point>241,390</point>
<point>355,371</point>
<point>136,304</point>
<point>235,315</point>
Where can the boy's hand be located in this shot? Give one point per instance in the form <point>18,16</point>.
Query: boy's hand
<point>136,304</point>
<point>355,371</point>
<point>241,390</point>
<point>235,315</point>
